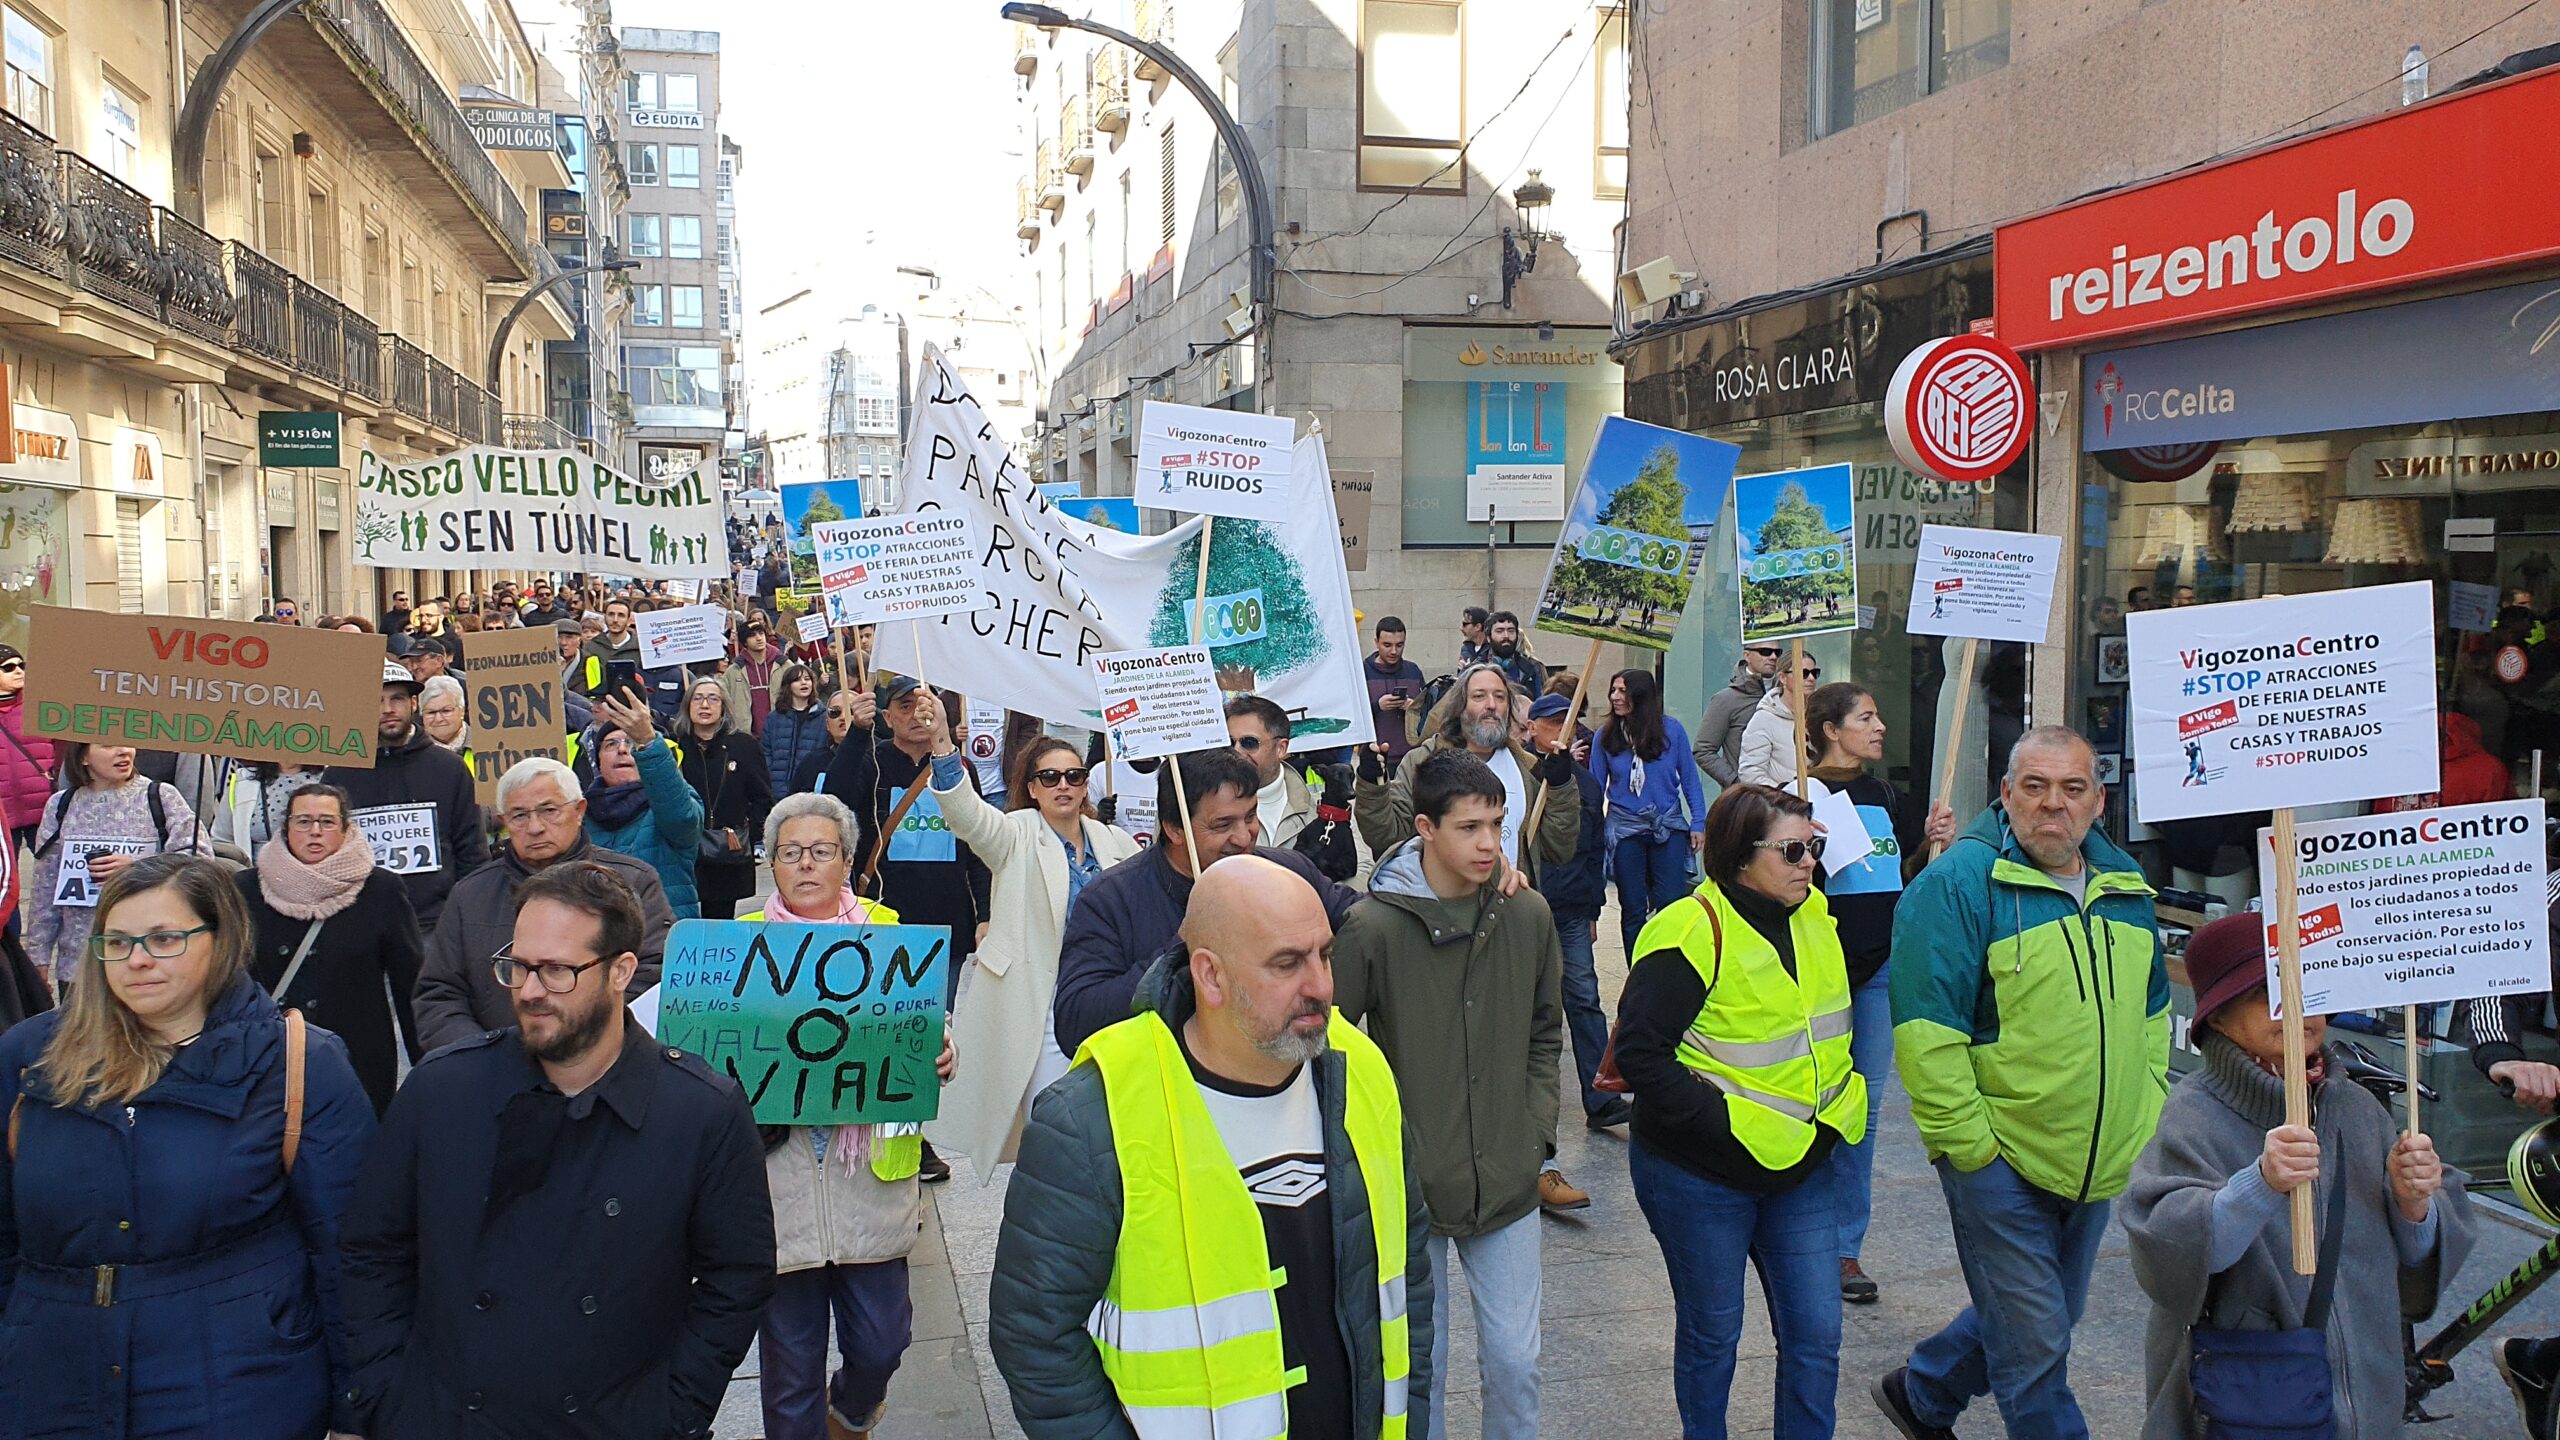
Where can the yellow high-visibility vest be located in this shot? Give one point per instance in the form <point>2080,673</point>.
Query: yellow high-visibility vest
<point>1776,1044</point>
<point>897,1146</point>
<point>1189,1326</point>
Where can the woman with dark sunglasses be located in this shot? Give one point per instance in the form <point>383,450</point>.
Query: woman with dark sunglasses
<point>1040,853</point>
<point>1733,1037</point>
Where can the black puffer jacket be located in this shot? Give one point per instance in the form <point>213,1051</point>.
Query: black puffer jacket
<point>728,771</point>
<point>1062,1218</point>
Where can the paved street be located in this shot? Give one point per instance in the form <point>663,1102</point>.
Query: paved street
<point>1606,1370</point>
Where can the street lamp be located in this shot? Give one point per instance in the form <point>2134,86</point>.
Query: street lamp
<point>1532,199</point>
<point>1257,193</point>
<point>524,302</point>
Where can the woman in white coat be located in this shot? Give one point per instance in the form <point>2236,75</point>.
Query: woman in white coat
<point>1769,739</point>
<point>1041,851</point>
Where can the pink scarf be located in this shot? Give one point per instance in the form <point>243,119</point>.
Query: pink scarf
<point>314,892</point>
<point>851,1143</point>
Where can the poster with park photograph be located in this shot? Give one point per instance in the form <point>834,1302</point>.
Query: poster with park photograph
<point>1631,542</point>
<point>1795,549</point>
<point>810,503</point>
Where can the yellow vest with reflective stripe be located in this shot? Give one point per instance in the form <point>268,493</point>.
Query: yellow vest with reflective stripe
<point>1189,1327</point>
<point>897,1147</point>
<point>1776,1044</point>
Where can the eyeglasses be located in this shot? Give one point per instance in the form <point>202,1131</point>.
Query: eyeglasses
<point>1770,652</point>
<point>558,979</point>
<point>1077,776</point>
<point>114,946</point>
<point>548,814</point>
<point>317,823</point>
<point>1794,852</point>
<point>822,853</point>
<point>13,666</point>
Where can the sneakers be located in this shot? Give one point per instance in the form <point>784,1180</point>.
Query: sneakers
<point>1855,1287</point>
<point>932,1170</point>
<point>1618,1111</point>
<point>1893,1397</point>
<point>1555,1193</point>
<point>838,1428</point>
<point>2532,1387</point>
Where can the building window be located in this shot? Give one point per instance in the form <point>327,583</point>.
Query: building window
<point>321,217</point>
<point>643,163</point>
<point>30,61</point>
<point>1168,187</point>
<point>875,413</point>
<point>1871,57</point>
<point>120,132</point>
<point>1230,183</point>
<point>684,237</point>
<point>686,375</point>
<point>648,304</point>
<point>1128,229</point>
<point>688,306</point>
<point>640,91</point>
<point>1412,95</point>
<point>684,92</point>
<point>647,237</point>
<point>728,254</point>
<point>684,167</point>
<point>1609,125</point>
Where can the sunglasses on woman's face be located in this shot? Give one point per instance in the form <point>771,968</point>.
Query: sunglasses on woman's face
<point>13,667</point>
<point>1076,776</point>
<point>1794,852</point>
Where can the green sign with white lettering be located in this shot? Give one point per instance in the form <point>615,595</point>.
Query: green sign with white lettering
<point>299,437</point>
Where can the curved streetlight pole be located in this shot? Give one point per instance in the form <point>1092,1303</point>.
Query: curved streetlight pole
<point>524,302</point>
<point>196,120</point>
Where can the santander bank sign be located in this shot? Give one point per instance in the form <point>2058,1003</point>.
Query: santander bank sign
<point>2437,190</point>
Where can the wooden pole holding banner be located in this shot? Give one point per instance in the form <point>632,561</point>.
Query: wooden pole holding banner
<point>1955,729</point>
<point>1795,673</point>
<point>1182,796</point>
<point>2297,1087</point>
<point>1538,810</point>
<point>2409,1043</point>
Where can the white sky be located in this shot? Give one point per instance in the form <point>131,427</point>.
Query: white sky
<point>877,133</point>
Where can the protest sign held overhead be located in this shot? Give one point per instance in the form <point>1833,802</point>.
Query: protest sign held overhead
<point>2290,700</point>
<point>1795,535</point>
<point>819,1024</point>
<point>1984,584</point>
<point>1624,561</point>
<point>1059,593</point>
<point>899,567</point>
<point>167,682</point>
<point>812,627</point>
<point>681,636</point>
<point>511,698</point>
<point>2418,907</point>
<point>1160,702</point>
<point>484,508</point>
<point>1215,462</point>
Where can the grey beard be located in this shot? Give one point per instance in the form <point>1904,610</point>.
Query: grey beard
<point>1488,732</point>
<point>1291,1048</point>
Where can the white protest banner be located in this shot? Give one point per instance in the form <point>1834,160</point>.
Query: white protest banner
<point>681,636</point>
<point>2418,907</point>
<point>2471,607</point>
<point>1058,592</point>
<point>484,508</point>
<point>1136,812</point>
<point>1160,702</point>
<point>750,581</point>
<point>1984,584</point>
<point>983,742</point>
<point>899,567</point>
<point>813,628</point>
<point>1846,839</point>
<point>2290,700</point>
<point>72,882</point>
<point>403,836</point>
<point>1214,462</point>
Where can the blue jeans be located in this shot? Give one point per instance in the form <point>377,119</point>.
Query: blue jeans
<point>1651,874</point>
<point>1705,1230</point>
<point>874,1319</point>
<point>1582,1018</point>
<point>1853,1167</point>
<point>2026,1255</point>
<point>1504,1281</point>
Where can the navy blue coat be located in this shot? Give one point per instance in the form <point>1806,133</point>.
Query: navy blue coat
<point>791,737</point>
<point>1581,885</point>
<point>227,1319</point>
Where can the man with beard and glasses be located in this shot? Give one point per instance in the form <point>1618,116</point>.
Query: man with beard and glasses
<point>417,805</point>
<point>1476,719</point>
<point>1120,1264</point>
<point>563,1227</point>
<point>1505,647</point>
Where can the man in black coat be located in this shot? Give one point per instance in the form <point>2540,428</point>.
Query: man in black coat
<point>417,804</point>
<point>562,1229</point>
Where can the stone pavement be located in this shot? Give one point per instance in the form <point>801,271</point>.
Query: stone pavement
<point>1606,1368</point>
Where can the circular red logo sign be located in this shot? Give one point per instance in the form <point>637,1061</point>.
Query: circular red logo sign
<point>2511,663</point>
<point>1960,409</point>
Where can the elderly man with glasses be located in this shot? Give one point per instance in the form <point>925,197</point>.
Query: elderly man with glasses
<point>545,811</point>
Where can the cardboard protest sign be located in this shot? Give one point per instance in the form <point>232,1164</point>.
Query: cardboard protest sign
<point>2418,907</point>
<point>1353,491</point>
<point>899,567</point>
<point>1795,538</point>
<point>73,884</point>
<point>813,628</point>
<point>511,699</point>
<point>749,580</point>
<point>1984,584</point>
<point>1214,462</point>
<point>1160,702</point>
<point>1058,593</point>
<point>485,508</point>
<point>169,682</point>
<point>2290,700</point>
<point>1624,561</point>
<point>983,737</point>
<point>819,1024</point>
<point>680,636</point>
<point>404,837</point>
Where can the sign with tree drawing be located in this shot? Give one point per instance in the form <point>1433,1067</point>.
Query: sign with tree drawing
<point>1631,542</point>
<point>1795,538</point>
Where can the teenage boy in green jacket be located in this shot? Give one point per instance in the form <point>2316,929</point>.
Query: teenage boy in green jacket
<point>2031,1024</point>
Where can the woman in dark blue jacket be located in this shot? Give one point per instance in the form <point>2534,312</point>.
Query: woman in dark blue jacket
<point>796,730</point>
<point>168,1266</point>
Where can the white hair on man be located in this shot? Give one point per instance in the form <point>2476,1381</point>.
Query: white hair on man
<point>809,802</point>
<point>539,767</point>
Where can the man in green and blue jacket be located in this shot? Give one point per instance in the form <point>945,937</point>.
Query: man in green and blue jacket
<point>2031,1024</point>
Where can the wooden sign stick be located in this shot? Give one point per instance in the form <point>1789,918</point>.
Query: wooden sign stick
<point>2409,1043</point>
<point>1795,673</point>
<point>1538,809</point>
<point>2297,1088</point>
<point>1955,728</point>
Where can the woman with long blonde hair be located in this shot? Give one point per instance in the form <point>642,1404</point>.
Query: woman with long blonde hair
<point>178,1157</point>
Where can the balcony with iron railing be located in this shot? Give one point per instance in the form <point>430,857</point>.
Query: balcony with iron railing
<point>1108,95</point>
<point>319,337</point>
<point>364,357</point>
<point>535,432</point>
<point>263,306</point>
<point>1152,20</point>
<point>1027,208</point>
<point>1026,49</point>
<point>1052,177</point>
<point>404,368</point>
<point>444,395</point>
<point>1075,137</point>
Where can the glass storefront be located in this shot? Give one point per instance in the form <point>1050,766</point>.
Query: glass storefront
<point>35,554</point>
<point>1499,416</point>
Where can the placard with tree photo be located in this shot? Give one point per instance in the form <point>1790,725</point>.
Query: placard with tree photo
<point>1635,534</point>
<point>1795,537</point>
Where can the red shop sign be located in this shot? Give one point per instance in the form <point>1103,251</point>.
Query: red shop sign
<point>2456,185</point>
<point>1958,408</point>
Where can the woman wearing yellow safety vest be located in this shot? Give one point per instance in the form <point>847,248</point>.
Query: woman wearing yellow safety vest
<point>846,1207</point>
<point>1733,1035</point>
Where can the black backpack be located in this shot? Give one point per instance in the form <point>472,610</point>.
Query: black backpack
<point>62,808</point>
